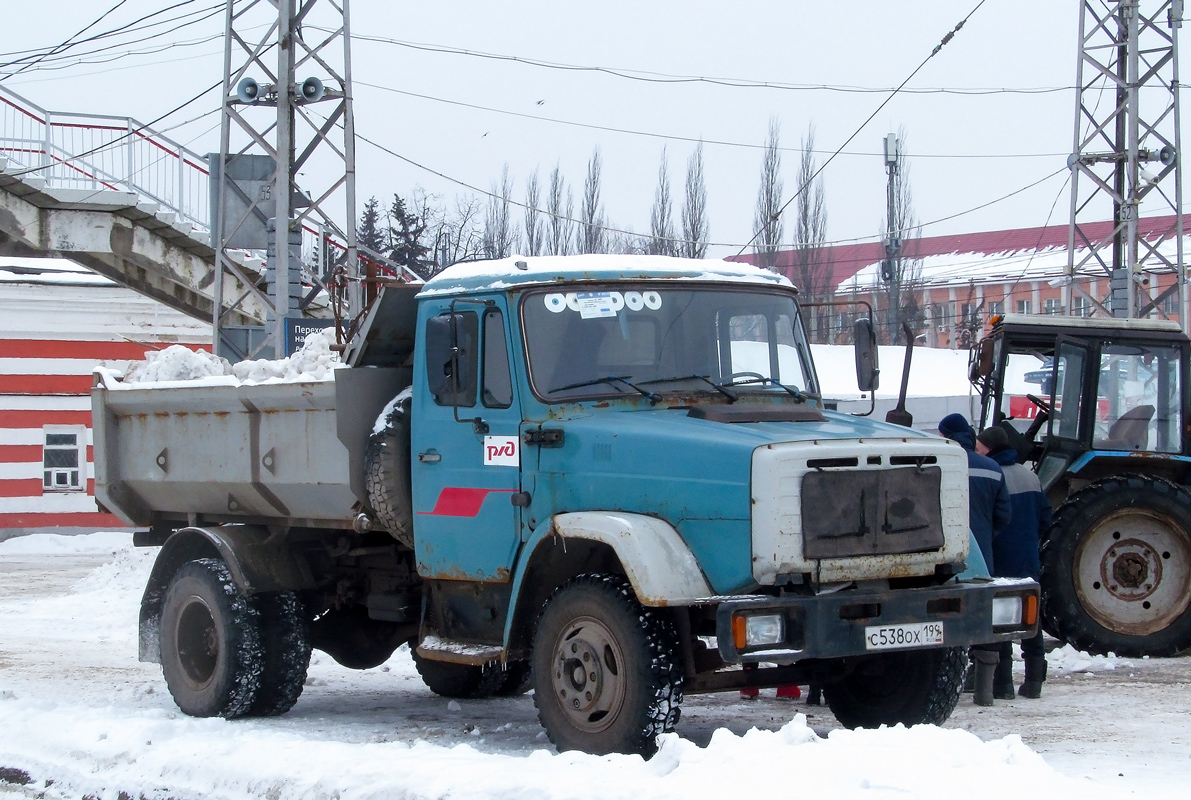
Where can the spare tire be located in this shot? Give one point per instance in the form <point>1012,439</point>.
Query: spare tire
<point>386,473</point>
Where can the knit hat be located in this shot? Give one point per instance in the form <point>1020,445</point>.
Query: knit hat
<point>994,438</point>
<point>956,427</point>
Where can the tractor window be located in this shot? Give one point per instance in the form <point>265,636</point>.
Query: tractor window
<point>1137,399</point>
<point>1068,389</point>
<point>1026,374</point>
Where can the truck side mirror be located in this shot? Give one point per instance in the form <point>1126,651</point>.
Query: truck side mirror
<point>868,373</point>
<point>450,358</point>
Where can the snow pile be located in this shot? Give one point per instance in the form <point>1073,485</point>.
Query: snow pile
<point>934,371</point>
<point>1068,659</point>
<point>177,363</point>
<point>155,752</point>
<point>57,544</point>
<point>314,362</point>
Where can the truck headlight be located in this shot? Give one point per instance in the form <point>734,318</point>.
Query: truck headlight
<point>1006,611</point>
<point>758,629</point>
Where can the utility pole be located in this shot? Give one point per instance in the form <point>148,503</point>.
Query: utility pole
<point>274,129</point>
<point>1126,150</point>
<point>891,267</point>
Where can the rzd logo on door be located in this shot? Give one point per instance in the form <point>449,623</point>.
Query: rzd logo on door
<point>502,451</point>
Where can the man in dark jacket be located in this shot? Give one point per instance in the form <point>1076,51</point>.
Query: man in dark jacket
<point>1015,554</point>
<point>988,513</point>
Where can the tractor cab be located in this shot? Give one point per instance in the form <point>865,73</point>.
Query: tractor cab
<point>1100,408</point>
<point>1084,398</point>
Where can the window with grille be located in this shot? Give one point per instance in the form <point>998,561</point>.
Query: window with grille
<point>1023,307</point>
<point>1080,306</point>
<point>996,307</point>
<point>63,458</point>
<point>1053,305</point>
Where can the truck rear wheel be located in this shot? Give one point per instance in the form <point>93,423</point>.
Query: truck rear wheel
<point>285,642</point>
<point>1116,568</point>
<point>210,642</point>
<point>386,476</point>
<point>606,677</point>
<point>912,687</point>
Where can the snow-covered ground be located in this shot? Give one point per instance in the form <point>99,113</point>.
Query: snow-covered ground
<point>78,710</point>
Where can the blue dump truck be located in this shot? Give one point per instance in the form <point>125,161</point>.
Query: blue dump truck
<point>610,479</point>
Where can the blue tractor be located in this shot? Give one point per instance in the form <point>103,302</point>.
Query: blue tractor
<point>1100,407</point>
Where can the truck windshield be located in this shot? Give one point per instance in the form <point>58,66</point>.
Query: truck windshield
<point>648,340</point>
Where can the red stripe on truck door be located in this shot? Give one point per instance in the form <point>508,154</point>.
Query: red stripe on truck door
<point>459,501</point>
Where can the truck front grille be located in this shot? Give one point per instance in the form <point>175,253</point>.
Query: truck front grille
<point>871,512</point>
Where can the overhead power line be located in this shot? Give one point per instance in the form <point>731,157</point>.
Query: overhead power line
<point>661,77</point>
<point>811,180</point>
<point>677,138</point>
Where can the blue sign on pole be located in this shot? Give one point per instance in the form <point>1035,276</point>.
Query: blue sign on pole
<point>297,329</point>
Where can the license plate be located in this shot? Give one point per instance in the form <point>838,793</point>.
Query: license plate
<point>892,637</point>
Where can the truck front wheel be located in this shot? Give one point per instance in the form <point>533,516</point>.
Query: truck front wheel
<point>911,687</point>
<point>606,678</point>
<point>211,652</point>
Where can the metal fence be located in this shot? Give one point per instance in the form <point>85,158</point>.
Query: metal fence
<point>99,152</point>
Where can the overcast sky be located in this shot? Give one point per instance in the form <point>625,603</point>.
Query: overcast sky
<point>964,149</point>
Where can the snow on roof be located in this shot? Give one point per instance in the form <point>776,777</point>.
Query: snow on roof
<point>506,273</point>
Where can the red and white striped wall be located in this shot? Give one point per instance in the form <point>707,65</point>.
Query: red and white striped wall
<point>57,323</point>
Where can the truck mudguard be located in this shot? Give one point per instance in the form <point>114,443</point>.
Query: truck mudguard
<point>657,562</point>
<point>255,561</point>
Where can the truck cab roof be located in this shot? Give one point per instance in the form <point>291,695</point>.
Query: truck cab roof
<point>524,271</point>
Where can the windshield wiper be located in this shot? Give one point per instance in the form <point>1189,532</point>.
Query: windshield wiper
<point>610,379</point>
<point>732,396</point>
<point>798,395</point>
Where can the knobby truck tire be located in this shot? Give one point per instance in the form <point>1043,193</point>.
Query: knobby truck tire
<point>1116,568</point>
<point>285,642</point>
<point>387,478</point>
<point>606,673</point>
<point>211,653</point>
<point>912,687</point>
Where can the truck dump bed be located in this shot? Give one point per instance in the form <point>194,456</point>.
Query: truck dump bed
<point>204,452</point>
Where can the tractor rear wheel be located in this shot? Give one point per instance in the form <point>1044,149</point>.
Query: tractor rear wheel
<point>1116,568</point>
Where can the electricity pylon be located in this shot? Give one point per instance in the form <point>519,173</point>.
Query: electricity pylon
<point>275,83</point>
<point>1126,151</point>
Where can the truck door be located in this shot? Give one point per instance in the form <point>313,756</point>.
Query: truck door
<point>466,447</point>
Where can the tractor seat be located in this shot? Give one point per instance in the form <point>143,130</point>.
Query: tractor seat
<point>1130,431</point>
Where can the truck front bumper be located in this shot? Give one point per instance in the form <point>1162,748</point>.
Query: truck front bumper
<point>791,628</point>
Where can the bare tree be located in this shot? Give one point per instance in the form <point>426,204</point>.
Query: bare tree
<point>591,213</point>
<point>498,230</point>
<point>561,231</point>
<point>768,222</point>
<point>812,265</point>
<point>534,233</point>
<point>694,209</point>
<point>455,232</point>
<point>661,216</point>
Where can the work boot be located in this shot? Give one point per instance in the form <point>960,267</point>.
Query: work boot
<point>1035,675</point>
<point>986,665</point>
<point>815,696</point>
<point>1003,679</point>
